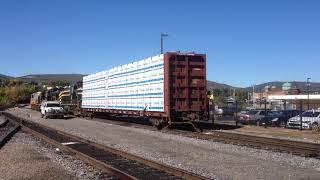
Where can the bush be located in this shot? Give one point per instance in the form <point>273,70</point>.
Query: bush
<point>13,93</point>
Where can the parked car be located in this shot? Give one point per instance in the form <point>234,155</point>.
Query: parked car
<point>253,116</point>
<point>218,111</point>
<point>279,118</point>
<point>310,120</point>
<point>51,109</point>
<point>228,110</point>
<point>243,112</point>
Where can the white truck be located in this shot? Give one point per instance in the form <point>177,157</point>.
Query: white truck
<point>51,109</point>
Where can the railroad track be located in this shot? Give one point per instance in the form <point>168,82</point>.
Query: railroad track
<point>299,148</point>
<point>305,149</point>
<point>111,161</point>
<point>7,130</point>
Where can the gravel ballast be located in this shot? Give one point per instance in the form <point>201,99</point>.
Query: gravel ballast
<point>2,120</point>
<point>19,160</point>
<point>210,159</point>
<point>27,157</point>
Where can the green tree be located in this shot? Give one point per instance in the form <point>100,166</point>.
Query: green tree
<point>15,92</point>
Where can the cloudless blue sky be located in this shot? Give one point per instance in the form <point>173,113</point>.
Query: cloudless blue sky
<point>246,41</point>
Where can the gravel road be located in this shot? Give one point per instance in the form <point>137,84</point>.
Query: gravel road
<point>211,159</point>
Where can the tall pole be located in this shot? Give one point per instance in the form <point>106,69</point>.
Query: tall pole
<point>300,115</point>
<point>308,91</point>
<point>265,111</point>
<point>161,41</point>
<point>236,113</point>
<point>253,98</point>
<point>260,94</point>
<point>161,51</point>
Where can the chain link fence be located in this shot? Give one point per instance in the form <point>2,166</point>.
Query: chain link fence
<point>297,113</point>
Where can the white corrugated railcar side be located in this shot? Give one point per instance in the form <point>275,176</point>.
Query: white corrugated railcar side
<point>135,86</point>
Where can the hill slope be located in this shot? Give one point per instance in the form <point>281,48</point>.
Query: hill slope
<point>215,85</point>
<point>314,87</point>
<point>52,77</point>
<point>71,78</point>
<point>78,77</point>
<point>4,77</point>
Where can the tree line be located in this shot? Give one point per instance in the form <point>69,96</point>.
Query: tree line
<point>221,96</point>
<point>15,91</point>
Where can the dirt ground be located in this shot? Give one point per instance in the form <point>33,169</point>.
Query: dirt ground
<point>304,135</point>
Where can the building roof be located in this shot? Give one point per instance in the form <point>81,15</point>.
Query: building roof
<point>294,97</point>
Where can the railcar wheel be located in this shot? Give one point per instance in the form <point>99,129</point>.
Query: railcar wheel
<point>91,115</point>
<point>258,123</point>
<point>158,123</point>
<point>154,122</point>
<point>282,124</point>
<point>315,127</point>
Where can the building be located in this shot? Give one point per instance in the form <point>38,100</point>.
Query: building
<point>284,97</point>
<point>294,101</point>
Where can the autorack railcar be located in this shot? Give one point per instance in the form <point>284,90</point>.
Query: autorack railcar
<point>166,88</point>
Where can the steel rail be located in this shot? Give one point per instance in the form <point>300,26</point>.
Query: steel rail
<point>7,129</point>
<point>305,149</point>
<point>83,157</point>
<point>147,166</point>
<point>300,148</point>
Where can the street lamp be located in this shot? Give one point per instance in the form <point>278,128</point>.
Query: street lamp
<point>308,91</point>
<point>162,36</point>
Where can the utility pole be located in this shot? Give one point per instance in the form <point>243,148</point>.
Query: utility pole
<point>260,94</point>
<point>253,98</point>
<point>300,115</point>
<point>161,37</point>
<point>236,113</point>
<point>265,111</point>
<point>308,91</point>
<point>234,93</point>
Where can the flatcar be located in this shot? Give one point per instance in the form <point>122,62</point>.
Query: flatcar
<point>165,88</point>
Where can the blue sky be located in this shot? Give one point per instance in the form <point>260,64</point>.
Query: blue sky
<point>246,42</point>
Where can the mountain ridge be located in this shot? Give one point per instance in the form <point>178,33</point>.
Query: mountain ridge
<point>71,78</point>
<point>52,77</point>
<point>4,77</point>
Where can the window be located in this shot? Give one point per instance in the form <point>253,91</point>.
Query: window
<point>252,112</point>
<point>262,113</point>
<point>53,105</point>
<point>310,114</point>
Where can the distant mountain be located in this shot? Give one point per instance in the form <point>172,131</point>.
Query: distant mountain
<point>314,86</point>
<point>52,77</point>
<point>215,85</point>
<point>40,78</point>
<point>4,77</point>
